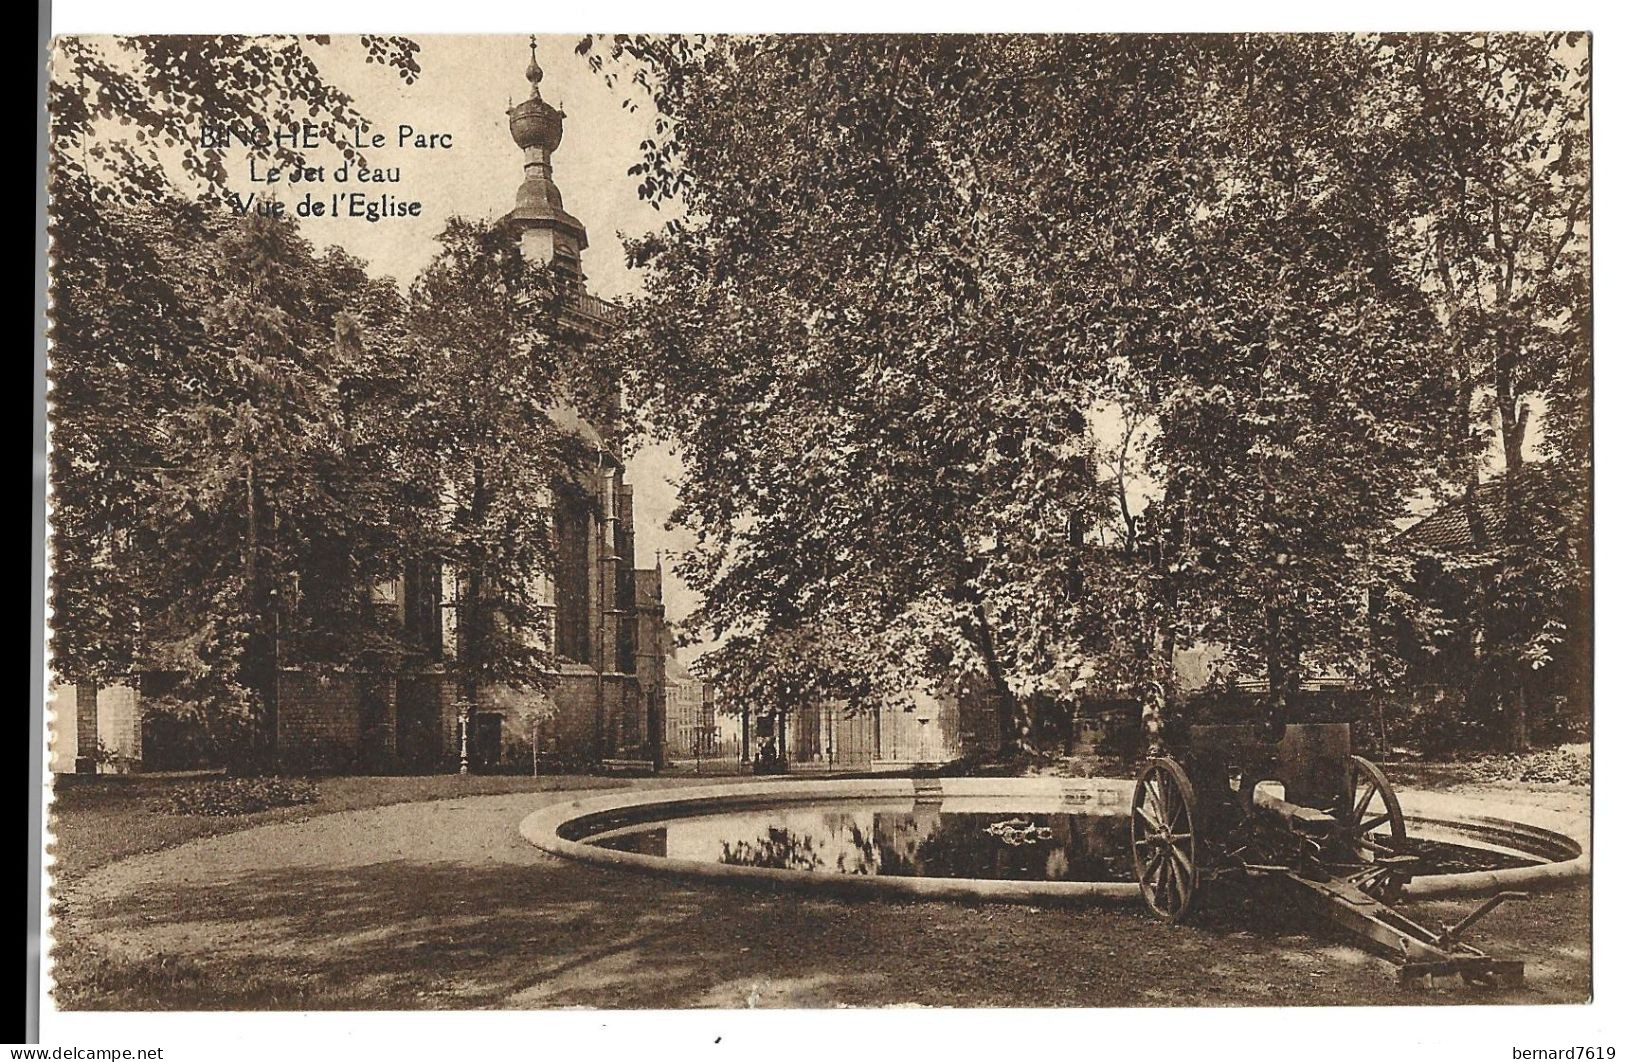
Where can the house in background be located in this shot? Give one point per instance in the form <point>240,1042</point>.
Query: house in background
<point>692,730</point>
<point>1453,549</point>
<point>931,729</point>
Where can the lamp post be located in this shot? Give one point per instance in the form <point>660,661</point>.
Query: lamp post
<point>465,716</point>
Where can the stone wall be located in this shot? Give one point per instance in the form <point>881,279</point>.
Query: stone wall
<point>319,722</point>
<point>575,727</point>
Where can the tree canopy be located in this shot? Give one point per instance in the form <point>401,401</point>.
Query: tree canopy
<point>917,292</point>
<point>489,452</point>
<point>141,115</point>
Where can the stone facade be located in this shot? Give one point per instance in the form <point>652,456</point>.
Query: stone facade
<point>935,728</point>
<point>692,730</point>
<point>95,729</point>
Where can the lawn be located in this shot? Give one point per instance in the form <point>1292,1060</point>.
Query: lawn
<point>100,819</point>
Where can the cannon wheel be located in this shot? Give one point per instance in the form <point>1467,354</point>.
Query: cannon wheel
<point>1373,804</point>
<point>1162,826</point>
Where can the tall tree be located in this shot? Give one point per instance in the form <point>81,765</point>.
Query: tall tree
<point>212,506</point>
<point>495,369</point>
<point>155,346</point>
<point>840,332</point>
<point>887,329</point>
<point>1296,386</point>
<point>1500,168</point>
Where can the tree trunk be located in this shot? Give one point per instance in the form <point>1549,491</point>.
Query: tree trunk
<point>259,665</point>
<point>1165,544</point>
<point>1011,732</point>
<point>1283,666</point>
<point>1378,681</point>
<point>1514,539</point>
<point>1275,673</point>
<point>1517,720</point>
<point>472,628</point>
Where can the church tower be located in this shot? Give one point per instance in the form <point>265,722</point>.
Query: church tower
<point>549,235</point>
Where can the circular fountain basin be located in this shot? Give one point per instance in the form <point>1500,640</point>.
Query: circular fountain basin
<point>1021,840</point>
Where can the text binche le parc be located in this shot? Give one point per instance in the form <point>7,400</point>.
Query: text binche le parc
<point>370,206</point>
<point>308,135</point>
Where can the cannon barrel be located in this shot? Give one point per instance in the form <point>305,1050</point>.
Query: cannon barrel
<point>1310,822</point>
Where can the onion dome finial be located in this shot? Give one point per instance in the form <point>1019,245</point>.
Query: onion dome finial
<point>533,72</point>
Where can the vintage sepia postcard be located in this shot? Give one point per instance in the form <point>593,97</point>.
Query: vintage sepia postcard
<point>833,520</point>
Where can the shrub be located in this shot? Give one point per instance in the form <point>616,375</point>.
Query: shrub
<point>1570,764</point>
<point>236,796</point>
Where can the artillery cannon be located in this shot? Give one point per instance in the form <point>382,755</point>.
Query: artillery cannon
<point>1293,803</point>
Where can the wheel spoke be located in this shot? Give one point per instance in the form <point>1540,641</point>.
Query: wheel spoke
<point>1365,802</point>
<point>1376,804</point>
<point>1179,812</point>
<point>1162,834</point>
<point>1184,875</point>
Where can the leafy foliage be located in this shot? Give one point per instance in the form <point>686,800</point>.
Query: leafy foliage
<point>1032,359</point>
<point>249,436</point>
<point>236,796</point>
<point>216,502</point>
<point>217,490</point>
<point>174,93</point>
<point>1500,167</point>
<point>485,329</point>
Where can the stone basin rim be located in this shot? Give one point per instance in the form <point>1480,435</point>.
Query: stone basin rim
<point>1431,812</point>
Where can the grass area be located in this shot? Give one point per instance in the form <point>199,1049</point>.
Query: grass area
<point>104,818</point>
<point>442,906</point>
<point>1571,773</point>
<point>432,936</point>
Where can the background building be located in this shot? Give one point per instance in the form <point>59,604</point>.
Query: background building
<point>691,717</point>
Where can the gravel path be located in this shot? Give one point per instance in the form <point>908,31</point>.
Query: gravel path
<point>443,904</point>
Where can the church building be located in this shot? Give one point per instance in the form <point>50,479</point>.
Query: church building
<point>605,704</point>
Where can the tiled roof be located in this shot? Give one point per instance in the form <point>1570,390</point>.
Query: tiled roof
<point>1450,527</point>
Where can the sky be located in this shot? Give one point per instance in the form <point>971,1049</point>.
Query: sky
<point>467,85</point>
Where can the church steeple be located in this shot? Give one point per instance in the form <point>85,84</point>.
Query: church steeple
<point>550,235</point>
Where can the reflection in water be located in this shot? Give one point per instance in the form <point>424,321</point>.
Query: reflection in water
<point>1019,831</point>
<point>928,842</point>
<point>925,842</point>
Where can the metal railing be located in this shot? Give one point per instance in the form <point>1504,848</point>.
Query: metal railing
<point>591,306</point>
